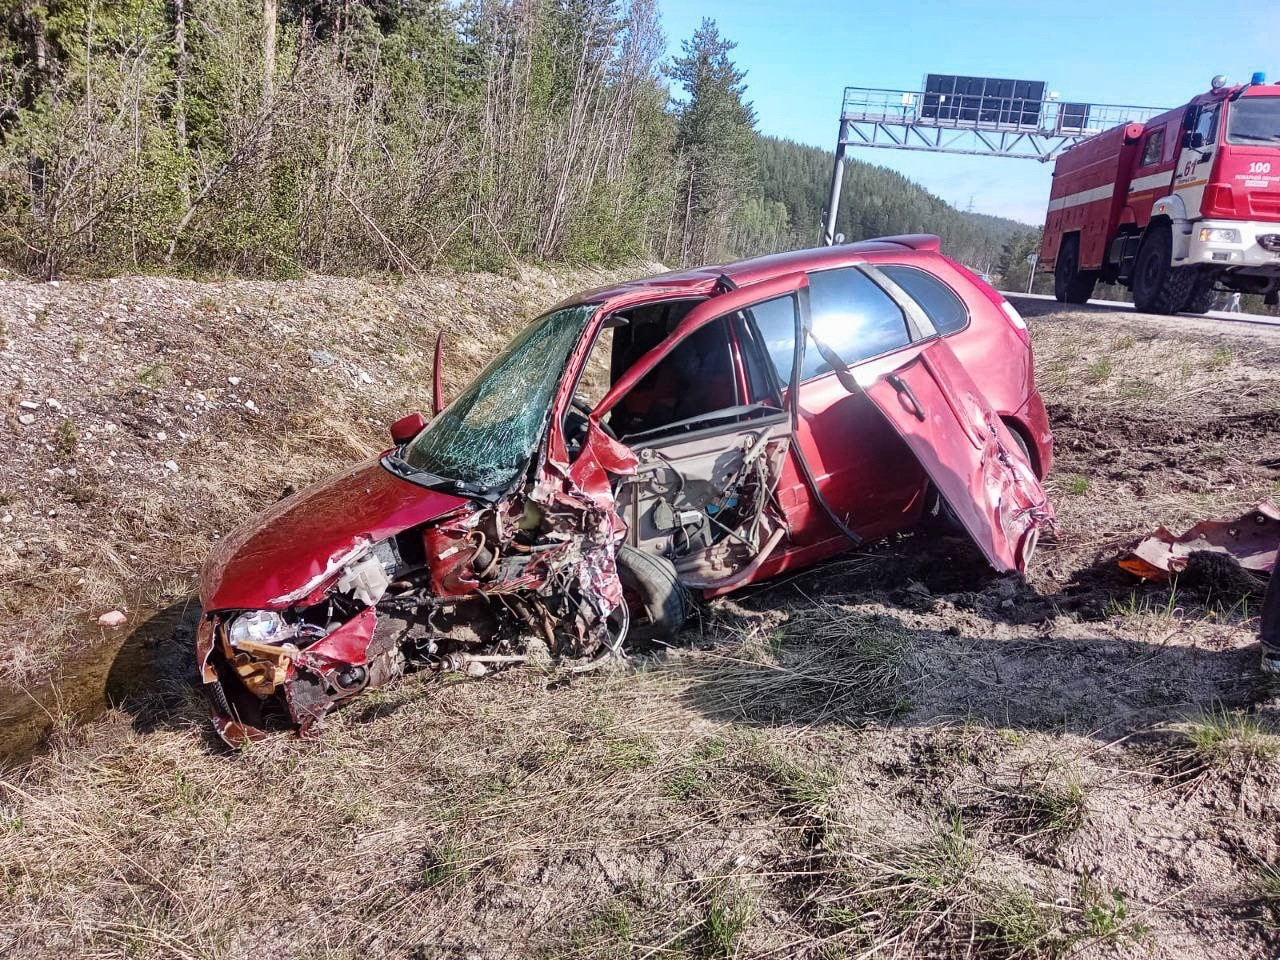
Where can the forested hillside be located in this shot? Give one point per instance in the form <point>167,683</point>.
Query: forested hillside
<point>274,137</point>
<point>786,207</point>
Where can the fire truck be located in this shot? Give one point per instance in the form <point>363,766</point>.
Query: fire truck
<point>1175,208</point>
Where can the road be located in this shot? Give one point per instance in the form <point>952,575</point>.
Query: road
<point>1030,304</point>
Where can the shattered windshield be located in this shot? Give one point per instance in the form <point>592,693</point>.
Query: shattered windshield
<point>1254,120</point>
<point>485,437</point>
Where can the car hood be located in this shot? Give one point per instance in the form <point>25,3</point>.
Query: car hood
<point>287,552</point>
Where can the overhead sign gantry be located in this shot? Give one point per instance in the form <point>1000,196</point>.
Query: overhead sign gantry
<point>978,116</point>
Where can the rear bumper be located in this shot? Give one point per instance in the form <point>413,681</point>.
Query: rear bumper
<point>1249,248</point>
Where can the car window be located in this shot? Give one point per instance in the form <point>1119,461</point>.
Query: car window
<point>695,379</point>
<point>939,301</point>
<point>1207,126</point>
<point>1254,120</point>
<point>852,316</point>
<point>776,321</point>
<point>1151,149</point>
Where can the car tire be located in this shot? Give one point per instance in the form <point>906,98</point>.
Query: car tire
<point>651,583</point>
<point>1070,283</point>
<point>1202,293</point>
<point>941,520</point>
<point>1023,449</point>
<point>1158,287</point>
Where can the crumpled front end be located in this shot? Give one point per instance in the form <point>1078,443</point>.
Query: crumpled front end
<point>531,576</point>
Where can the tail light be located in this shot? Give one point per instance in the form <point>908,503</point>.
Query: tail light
<point>991,293</point>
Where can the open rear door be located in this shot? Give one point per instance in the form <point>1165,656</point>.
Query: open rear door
<point>968,452</point>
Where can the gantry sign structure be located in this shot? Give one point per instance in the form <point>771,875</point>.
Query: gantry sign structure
<point>978,116</point>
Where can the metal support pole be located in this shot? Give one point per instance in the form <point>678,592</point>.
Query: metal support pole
<point>837,178</point>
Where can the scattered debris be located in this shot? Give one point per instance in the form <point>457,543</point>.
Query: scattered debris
<point>112,619</point>
<point>1252,540</point>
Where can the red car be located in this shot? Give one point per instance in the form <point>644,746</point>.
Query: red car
<point>681,435</point>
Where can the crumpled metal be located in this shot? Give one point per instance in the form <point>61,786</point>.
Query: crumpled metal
<point>1252,539</point>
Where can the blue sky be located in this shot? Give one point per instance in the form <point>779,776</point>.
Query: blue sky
<point>800,54</point>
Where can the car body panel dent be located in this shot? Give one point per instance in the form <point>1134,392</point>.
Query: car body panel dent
<point>967,452</point>
<point>290,550</point>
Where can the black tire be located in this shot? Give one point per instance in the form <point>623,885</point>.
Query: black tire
<point>1200,300</point>
<point>939,519</point>
<point>216,694</point>
<point>652,582</point>
<point>1024,449</point>
<point>1070,283</point>
<point>1158,287</point>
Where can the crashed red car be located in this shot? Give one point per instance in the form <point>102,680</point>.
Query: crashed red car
<point>670,437</point>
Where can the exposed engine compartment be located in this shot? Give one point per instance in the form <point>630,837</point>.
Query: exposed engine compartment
<point>505,585</point>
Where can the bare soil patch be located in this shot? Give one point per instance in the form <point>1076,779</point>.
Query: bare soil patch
<point>897,754</point>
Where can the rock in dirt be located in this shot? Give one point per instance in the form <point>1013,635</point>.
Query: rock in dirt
<point>112,619</point>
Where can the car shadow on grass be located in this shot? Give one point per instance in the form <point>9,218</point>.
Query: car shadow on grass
<point>153,678</point>
<point>915,641</point>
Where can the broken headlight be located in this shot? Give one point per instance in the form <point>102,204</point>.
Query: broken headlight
<point>258,626</point>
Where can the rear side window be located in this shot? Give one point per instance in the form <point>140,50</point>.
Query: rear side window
<point>939,301</point>
<point>1151,149</point>
<point>852,316</point>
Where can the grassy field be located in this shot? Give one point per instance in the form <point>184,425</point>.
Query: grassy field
<point>897,754</point>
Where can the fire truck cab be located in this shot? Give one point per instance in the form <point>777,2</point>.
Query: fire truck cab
<point>1176,208</point>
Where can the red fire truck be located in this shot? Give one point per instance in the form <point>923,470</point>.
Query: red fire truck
<point>1174,208</point>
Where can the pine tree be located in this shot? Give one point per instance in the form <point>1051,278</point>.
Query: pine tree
<point>716,142</point>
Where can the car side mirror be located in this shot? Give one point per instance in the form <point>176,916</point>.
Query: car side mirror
<point>406,428</point>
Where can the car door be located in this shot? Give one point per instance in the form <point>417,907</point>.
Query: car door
<point>1195,160</point>
<point>938,410</point>
<point>702,494</point>
<point>865,472</point>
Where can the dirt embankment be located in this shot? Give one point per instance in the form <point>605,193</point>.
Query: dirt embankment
<point>143,417</point>
<point>896,754</point>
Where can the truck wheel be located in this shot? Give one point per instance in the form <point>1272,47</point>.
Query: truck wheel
<point>659,604</point>
<point>1158,287</point>
<point>1070,283</point>
<point>1202,294</point>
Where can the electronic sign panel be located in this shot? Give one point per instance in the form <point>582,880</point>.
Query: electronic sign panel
<point>987,100</point>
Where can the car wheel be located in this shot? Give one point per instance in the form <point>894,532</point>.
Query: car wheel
<point>1157,286</point>
<point>1070,283</point>
<point>1202,294</point>
<point>1023,449</point>
<point>659,604</point>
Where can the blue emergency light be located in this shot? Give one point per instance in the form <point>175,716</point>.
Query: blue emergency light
<point>1259,78</point>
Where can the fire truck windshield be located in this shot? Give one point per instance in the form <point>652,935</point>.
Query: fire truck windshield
<point>1254,120</point>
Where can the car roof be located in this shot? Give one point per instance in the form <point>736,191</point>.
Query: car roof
<point>700,281</point>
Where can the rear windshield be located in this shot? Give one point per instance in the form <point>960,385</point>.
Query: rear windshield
<point>1254,120</point>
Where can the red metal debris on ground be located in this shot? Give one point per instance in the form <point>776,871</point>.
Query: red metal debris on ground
<point>1252,540</point>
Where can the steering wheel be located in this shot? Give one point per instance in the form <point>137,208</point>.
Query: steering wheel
<point>575,425</point>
